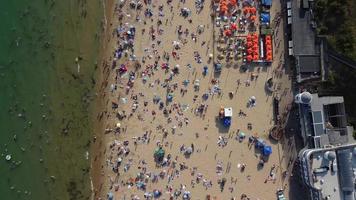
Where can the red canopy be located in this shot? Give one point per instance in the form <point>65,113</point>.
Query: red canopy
<point>255,57</point>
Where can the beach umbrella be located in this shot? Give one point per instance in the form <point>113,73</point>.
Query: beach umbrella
<point>159,153</point>
<point>227,32</point>
<point>233,2</point>
<point>242,134</point>
<point>8,157</point>
<point>157,193</point>
<point>186,195</point>
<point>188,151</point>
<point>253,18</point>
<point>255,57</point>
<point>249,58</point>
<point>268,42</point>
<point>249,51</point>
<point>246,10</point>
<point>169,97</point>
<point>233,26</point>
<point>249,44</point>
<point>253,10</point>
<point>110,196</point>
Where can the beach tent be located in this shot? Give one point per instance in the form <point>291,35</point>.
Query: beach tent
<point>266,3</point>
<point>267,150</point>
<point>227,121</point>
<point>265,18</point>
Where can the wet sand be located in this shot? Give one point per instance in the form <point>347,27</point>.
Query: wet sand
<point>148,127</point>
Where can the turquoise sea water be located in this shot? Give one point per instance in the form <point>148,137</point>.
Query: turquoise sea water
<point>45,101</point>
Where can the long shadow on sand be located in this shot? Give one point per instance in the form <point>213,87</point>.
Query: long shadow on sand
<point>220,126</point>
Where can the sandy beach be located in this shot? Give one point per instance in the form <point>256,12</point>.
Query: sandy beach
<point>153,51</point>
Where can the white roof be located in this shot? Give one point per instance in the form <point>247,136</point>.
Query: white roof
<point>290,51</point>
<point>228,112</point>
<point>289,5</point>
<point>289,20</point>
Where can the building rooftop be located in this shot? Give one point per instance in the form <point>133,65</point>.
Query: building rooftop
<point>323,121</point>
<point>309,63</point>
<point>303,34</point>
<point>332,172</point>
<point>325,179</point>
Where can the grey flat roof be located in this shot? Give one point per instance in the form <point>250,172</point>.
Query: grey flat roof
<point>317,117</point>
<point>309,63</point>
<point>346,173</point>
<point>302,32</point>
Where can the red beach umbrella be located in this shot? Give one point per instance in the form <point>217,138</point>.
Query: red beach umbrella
<point>253,10</point>
<point>233,26</point>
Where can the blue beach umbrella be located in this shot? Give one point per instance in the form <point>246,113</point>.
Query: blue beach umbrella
<point>267,150</point>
